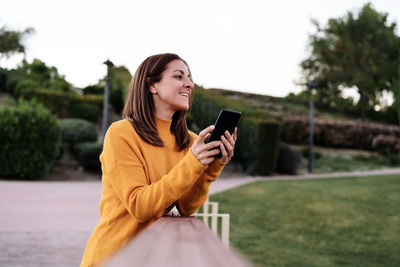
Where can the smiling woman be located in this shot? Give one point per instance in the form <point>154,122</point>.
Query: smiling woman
<point>150,161</point>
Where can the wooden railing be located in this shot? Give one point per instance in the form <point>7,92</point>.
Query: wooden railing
<point>214,216</point>
<point>176,241</point>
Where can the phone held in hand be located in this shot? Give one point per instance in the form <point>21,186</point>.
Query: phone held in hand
<point>227,120</point>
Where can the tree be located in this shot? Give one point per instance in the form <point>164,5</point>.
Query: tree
<point>396,90</point>
<point>359,51</point>
<point>11,41</point>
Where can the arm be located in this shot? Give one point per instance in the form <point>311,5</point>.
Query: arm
<point>192,200</point>
<point>197,195</point>
<point>127,177</point>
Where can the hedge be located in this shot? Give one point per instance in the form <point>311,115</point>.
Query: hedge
<point>74,131</point>
<point>29,140</point>
<point>65,103</point>
<point>258,133</point>
<point>343,134</point>
<point>88,155</point>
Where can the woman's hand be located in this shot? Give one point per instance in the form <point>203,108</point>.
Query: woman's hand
<point>205,152</point>
<point>227,146</point>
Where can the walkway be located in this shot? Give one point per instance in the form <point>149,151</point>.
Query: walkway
<point>48,223</point>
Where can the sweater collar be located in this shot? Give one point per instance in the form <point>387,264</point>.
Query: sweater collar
<point>163,126</point>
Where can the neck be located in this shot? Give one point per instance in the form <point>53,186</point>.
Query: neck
<point>165,115</point>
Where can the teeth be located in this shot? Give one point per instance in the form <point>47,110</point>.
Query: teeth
<point>184,94</point>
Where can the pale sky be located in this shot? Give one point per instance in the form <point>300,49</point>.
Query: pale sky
<point>246,45</point>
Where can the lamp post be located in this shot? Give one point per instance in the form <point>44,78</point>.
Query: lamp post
<point>310,86</point>
<point>105,100</point>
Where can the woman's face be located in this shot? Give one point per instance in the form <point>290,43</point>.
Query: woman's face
<point>173,91</point>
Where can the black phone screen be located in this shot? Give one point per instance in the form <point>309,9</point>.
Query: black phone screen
<point>227,120</point>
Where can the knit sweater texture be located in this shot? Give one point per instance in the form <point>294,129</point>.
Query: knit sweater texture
<point>141,182</point>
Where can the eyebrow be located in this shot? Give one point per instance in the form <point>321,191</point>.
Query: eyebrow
<point>182,72</point>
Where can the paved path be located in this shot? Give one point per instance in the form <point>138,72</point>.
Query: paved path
<point>48,223</point>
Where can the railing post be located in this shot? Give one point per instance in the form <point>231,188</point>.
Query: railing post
<point>214,219</point>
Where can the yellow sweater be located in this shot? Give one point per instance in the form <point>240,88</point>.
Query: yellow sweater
<point>141,182</point>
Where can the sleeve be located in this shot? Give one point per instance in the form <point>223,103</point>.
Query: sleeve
<point>193,199</point>
<point>127,177</point>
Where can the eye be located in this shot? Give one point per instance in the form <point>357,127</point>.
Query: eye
<point>179,77</point>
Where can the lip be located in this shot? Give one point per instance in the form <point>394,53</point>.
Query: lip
<point>184,92</point>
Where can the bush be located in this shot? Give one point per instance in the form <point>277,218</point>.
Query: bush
<point>94,90</point>
<point>74,131</point>
<point>305,152</point>
<point>88,155</point>
<point>385,144</point>
<point>60,102</point>
<point>3,79</point>
<point>25,85</point>
<point>116,99</point>
<point>29,140</point>
<point>340,134</point>
<point>258,133</point>
<point>289,160</point>
<point>85,111</point>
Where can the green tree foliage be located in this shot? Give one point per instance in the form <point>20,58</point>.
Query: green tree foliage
<point>11,41</point>
<point>120,78</point>
<point>45,76</point>
<point>356,50</point>
<point>396,90</point>
<point>40,75</point>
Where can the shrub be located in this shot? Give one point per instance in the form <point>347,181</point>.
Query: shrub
<point>93,89</point>
<point>3,79</point>
<point>116,99</point>
<point>258,133</point>
<point>336,133</point>
<point>29,140</point>
<point>85,111</point>
<point>305,152</point>
<point>289,160</point>
<point>61,102</point>
<point>74,131</point>
<point>88,155</point>
<point>385,144</point>
<point>25,85</point>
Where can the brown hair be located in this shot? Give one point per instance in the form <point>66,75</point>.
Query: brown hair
<point>139,105</point>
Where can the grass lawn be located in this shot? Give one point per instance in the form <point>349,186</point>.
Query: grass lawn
<point>332,222</point>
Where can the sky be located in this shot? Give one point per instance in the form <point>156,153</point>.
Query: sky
<point>245,45</point>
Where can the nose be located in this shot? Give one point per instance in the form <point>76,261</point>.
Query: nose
<point>189,84</point>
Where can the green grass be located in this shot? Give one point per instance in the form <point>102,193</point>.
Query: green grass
<point>332,222</point>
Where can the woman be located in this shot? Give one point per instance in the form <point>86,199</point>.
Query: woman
<point>150,161</point>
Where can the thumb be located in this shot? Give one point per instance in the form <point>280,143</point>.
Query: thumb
<point>205,133</point>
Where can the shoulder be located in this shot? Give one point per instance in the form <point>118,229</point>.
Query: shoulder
<point>122,129</point>
<point>121,125</point>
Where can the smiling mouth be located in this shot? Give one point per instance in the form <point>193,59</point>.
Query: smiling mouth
<point>184,94</point>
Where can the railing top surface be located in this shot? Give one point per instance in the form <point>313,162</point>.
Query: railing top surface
<point>176,241</point>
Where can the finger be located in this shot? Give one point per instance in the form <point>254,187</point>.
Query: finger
<point>207,137</point>
<point>211,145</point>
<point>229,137</point>
<point>211,153</point>
<point>203,134</point>
<point>235,134</point>
<point>224,153</point>
<point>226,143</point>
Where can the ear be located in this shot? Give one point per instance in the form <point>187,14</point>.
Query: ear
<point>152,86</point>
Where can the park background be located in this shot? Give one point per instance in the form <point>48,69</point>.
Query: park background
<point>271,60</point>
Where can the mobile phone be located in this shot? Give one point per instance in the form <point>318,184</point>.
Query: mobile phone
<point>227,120</point>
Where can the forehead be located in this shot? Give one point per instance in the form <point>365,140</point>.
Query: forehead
<point>177,64</point>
